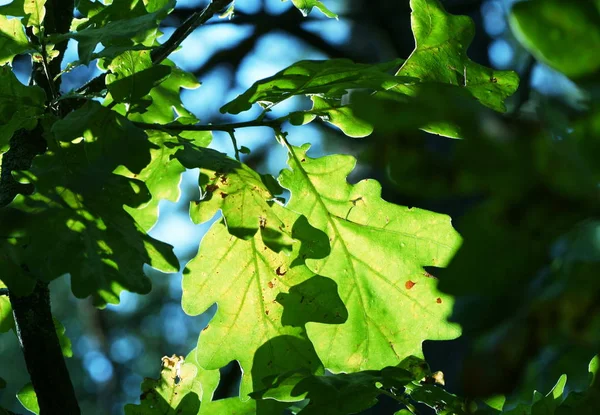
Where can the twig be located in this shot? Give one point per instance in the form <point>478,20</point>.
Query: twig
<point>275,123</point>
<point>162,52</point>
<point>187,27</point>
<point>235,146</point>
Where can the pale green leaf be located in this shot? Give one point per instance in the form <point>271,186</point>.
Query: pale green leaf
<point>440,56</point>
<point>63,340</point>
<point>32,11</point>
<point>331,111</point>
<point>133,75</point>
<point>250,284</point>
<point>332,78</point>
<point>20,105</point>
<point>28,399</point>
<point>175,393</point>
<point>306,6</point>
<point>12,39</point>
<point>562,34</point>
<point>378,251</point>
<point>240,193</point>
<point>162,175</point>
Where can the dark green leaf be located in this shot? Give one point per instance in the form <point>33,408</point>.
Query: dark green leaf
<point>332,78</point>
<point>562,34</point>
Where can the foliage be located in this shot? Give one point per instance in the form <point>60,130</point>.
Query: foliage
<point>325,291</point>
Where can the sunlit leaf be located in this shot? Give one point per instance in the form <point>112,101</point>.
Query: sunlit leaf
<point>12,39</point>
<point>247,281</point>
<point>306,6</point>
<point>440,56</point>
<point>176,392</point>
<point>332,78</point>
<point>242,195</point>
<point>32,11</point>
<point>378,251</point>
<point>28,399</point>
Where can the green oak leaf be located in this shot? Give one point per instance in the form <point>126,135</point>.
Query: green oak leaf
<point>63,340</point>
<point>12,39</point>
<point>79,203</point>
<point>331,78</point>
<point>306,6</point>
<point>246,279</point>
<point>440,56</point>
<point>240,193</point>
<point>31,11</point>
<point>164,100</point>
<point>20,105</point>
<point>133,75</point>
<point>333,112</point>
<point>176,392</point>
<point>117,32</point>
<point>563,35</point>
<point>339,394</point>
<point>207,381</point>
<point>116,140</point>
<point>28,399</point>
<point>163,174</point>
<point>378,251</point>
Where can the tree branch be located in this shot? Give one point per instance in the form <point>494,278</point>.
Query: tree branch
<point>231,127</point>
<point>43,354</point>
<point>162,52</point>
<point>187,27</point>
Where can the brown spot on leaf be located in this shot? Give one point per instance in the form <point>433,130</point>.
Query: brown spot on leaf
<point>278,271</point>
<point>303,160</point>
<point>267,312</point>
<point>494,80</point>
<point>439,300</point>
<point>224,195</point>
<point>205,328</point>
<point>409,284</point>
<point>211,188</point>
<point>270,284</point>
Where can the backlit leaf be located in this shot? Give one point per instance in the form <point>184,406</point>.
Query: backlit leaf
<point>306,6</point>
<point>32,11</point>
<point>247,281</point>
<point>378,251</point>
<point>332,78</point>
<point>440,56</point>
<point>12,39</point>
<point>241,194</point>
